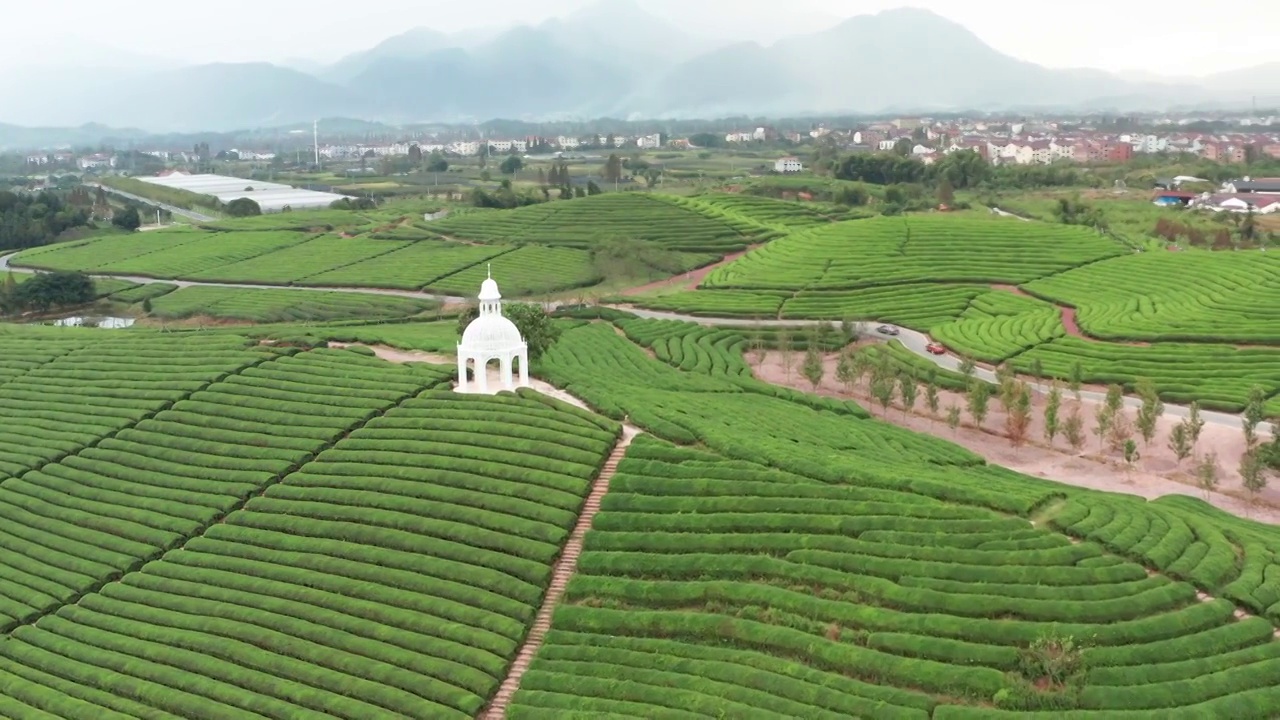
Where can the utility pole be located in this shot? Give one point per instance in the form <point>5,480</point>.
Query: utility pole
<point>315,138</point>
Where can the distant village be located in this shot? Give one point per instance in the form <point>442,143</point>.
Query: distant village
<point>1002,143</point>
<point>1041,142</point>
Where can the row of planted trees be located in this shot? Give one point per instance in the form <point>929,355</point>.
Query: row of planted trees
<point>1118,429</point>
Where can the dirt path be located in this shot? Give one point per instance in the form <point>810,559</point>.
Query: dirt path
<point>1068,316</point>
<point>689,280</point>
<point>567,563</point>
<point>565,566</point>
<point>1155,475</point>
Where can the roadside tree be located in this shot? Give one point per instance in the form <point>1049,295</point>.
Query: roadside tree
<point>979,402</point>
<point>1073,430</point>
<point>1052,407</point>
<point>1151,411</point>
<point>953,418</point>
<point>1207,473</point>
<point>812,367</point>
<point>1180,442</point>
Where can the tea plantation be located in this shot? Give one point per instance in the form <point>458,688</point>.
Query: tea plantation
<point>1202,326</point>
<point>819,564</point>
<point>539,250</point>
<point>239,522</point>
<point>199,525</point>
<point>229,529</point>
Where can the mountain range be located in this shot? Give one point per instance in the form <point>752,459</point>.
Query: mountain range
<point>611,59</point>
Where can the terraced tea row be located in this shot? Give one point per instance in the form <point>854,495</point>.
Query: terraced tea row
<point>586,222</point>
<point>149,484</point>
<point>768,211</point>
<point>277,258</point>
<point>1217,376</point>
<point>60,396</point>
<point>295,263</point>
<point>618,379</point>
<point>782,569</point>
<point>999,325</point>
<point>93,254</point>
<point>412,267</point>
<point>525,271</point>
<point>921,306</point>
<point>1174,297</point>
<point>915,249</point>
<point>392,575</point>
<point>854,587</point>
<point>281,305</point>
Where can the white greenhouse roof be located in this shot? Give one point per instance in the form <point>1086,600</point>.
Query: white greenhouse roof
<point>271,197</point>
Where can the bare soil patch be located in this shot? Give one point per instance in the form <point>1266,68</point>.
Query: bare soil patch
<point>1156,474</point>
<point>689,280</point>
<point>1069,322</point>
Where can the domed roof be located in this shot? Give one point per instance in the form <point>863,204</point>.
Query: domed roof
<point>491,333</point>
<point>489,290</point>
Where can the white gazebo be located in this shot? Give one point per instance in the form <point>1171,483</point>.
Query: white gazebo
<point>492,337</point>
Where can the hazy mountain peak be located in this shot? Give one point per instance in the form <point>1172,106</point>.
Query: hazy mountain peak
<point>610,58</point>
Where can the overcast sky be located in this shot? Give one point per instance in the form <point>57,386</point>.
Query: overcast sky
<point>1175,38</point>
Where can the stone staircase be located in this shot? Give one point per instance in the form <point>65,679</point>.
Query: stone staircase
<point>564,569</point>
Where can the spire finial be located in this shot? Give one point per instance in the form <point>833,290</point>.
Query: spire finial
<point>490,267</point>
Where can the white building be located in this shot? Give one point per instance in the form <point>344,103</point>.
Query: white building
<point>649,142</point>
<point>1149,143</point>
<point>96,161</point>
<point>789,164</point>
<point>506,146</point>
<point>492,336</point>
<point>464,147</point>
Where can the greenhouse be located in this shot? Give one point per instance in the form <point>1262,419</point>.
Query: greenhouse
<point>271,197</point>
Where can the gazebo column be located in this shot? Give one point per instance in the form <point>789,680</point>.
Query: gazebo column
<point>462,371</point>
<point>506,371</point>
<point>524,368</point>
<point>482,374</point>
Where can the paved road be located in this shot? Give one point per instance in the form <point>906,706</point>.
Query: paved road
<point>4,266</point>
<point>916,342</point>
<point>189,214</point>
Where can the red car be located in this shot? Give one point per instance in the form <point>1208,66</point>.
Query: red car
<point>935,348</point>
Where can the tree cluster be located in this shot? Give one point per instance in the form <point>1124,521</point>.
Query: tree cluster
<point>45,291</point>
<point>963,169</point>
<point>504,198</point>
<point>28,220</point>
<point>361,203</point>
<point>534,324</point>
<point>243,207</point>
<point>1074,211</point>
<point>128,219</point>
